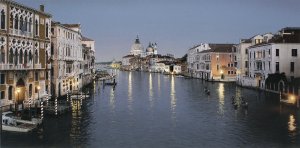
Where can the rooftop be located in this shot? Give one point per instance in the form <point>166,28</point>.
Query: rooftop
<point>128,56</point>
<point>219,48</point>
<point>26,7</point>
<point>72,25</point>
<point>86,39</point>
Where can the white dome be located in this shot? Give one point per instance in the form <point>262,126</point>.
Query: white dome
<point>149,49</point>
<point>137,48</point>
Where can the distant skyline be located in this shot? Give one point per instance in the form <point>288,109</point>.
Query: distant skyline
<point>175,25</point>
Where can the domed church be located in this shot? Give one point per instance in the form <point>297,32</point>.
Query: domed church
<point>137,48</point>
<point>151,49</point>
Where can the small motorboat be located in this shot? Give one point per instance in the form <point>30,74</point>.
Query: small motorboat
<point>114,83</point>
<point>109,83</point>
<point>244,104</point>
<point>13,125</point>
<point>206,91</point>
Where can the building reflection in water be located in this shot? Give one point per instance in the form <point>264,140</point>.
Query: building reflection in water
<point>292,124</point>
<point>112,100</point>
<point>76,121</point>
<point>173,99</point>
<point>94,82</point>
<point>150,90</point>
<point>158,84</point>
<point>130,92</point>
<point>292,128</point>
<point>221,98</point>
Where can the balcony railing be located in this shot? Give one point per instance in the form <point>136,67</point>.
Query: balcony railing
<point>37,66</point>
<point>16,67</point>
<point>20,33</point>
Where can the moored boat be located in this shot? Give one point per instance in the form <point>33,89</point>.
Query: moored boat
<point>14,125</point>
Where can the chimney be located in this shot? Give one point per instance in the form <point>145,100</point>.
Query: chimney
<point>42,8</point>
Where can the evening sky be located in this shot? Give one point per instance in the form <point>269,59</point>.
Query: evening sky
<point>176,25</point>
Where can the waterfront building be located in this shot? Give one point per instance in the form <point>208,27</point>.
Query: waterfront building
<point>67,58</point>
<point>215,62</point>
<point>88,48</point>
<point>166,67</point>
<point>218,63</point>
<point>242,54</point>
<point>126,62</point>
<point>193,58</point>
<point>25,35</point>
<point>277,55</point>
<point>155,62</point>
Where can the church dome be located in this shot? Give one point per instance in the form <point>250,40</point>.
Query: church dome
<point>149,49</point>
<point>137,47</point>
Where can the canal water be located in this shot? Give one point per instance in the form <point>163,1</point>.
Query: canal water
<point>155,110</point>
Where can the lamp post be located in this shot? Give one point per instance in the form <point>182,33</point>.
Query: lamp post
<point>38,90</point>
<point>17,101</point>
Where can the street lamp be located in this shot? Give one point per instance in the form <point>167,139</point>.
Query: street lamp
<point>38,90</point>
<point>17,101</point>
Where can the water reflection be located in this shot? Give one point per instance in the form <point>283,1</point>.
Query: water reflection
<point>173,100</point>
<point>292,124</point>
<point>221,98</point>
<point>94,82</point>
<point>150,90</point>
<point>178,118</point>
<point>130,92</point>
<point>75,122</point>
<point>112,99</point>
<point>158,83</point>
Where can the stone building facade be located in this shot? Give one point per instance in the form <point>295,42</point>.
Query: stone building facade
<point>25,36</point>
<point>67,58</point>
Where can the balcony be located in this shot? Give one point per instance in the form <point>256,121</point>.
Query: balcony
<point>258,71</point>
<point>37,66</point>
<point>20,33</point>
<point>16,67</point>
<point>69,58</point>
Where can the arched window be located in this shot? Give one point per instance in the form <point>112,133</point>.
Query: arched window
<point>11,56</point>
<point>16,21</point>
<point>47,27</point>
<point>2,55</point>
<point>30,56</point>
<point>36,28</point>
<point>10,92</point>
<point>36,58</point>
<point>30,90</point>
<point>29,26</point>
<point>25,57</point>
<point>2,19</point>
<point>16,57</point>
<point>25,24</point>
<point>21,23</point>
<point>21,57</point>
